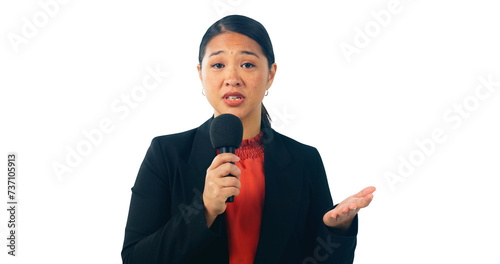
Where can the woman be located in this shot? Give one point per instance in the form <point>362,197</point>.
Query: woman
<point>283,211</point>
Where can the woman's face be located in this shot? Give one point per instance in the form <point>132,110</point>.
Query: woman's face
<point>235,75</point>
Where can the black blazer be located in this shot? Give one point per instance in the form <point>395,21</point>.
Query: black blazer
<point>166,221</point>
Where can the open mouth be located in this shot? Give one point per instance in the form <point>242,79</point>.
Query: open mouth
<point>233,99</point>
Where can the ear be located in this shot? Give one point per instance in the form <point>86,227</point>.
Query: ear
<point>199,71</point>
<point>272,73</point>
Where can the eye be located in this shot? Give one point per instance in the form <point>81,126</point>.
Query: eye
<point>247,65</point>
<point>218,65</point>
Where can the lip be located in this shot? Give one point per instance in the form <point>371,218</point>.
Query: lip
<point>232,102</point>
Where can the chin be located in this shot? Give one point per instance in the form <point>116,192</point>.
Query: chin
<point>240,111</point>
<point>237,112</point>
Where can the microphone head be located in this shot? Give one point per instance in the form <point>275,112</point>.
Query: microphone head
<point>226,130</point>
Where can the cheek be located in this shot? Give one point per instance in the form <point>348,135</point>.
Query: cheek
<point>261,82</point>
<point>258,80</point>
<point>210,80</point>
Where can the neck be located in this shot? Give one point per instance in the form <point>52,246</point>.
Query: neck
<point>251,127</point>
<point>251,123</point>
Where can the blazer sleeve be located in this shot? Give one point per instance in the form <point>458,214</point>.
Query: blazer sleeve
<point>152,235</point>
<point>330,246</point>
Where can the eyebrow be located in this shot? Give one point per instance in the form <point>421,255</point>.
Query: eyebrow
<point>241,52</point>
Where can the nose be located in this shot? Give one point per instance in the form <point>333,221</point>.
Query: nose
<point>232,77</point>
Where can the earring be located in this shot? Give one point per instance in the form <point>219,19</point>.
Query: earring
<point>203,91</point>
<point>267,92</point>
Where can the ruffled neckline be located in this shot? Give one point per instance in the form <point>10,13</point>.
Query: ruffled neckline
<point>251,148</point>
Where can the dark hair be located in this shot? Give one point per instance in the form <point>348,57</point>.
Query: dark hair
<point>245,26</point>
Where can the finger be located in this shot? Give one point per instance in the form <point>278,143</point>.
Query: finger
<point>330,218</point>
<point>350,210</point>
<point>226,169</point>
<point>333,214</point>
<point>339,211</point>
<point>230,182</point>
<point>330,221</point>
<point>364,201</point>
<point>367,200</point>
<point>235,171</point>
<point>334,217</point>
<point>366,191</point>
<point>351,206</point>
<point>342,216</point>
<point>223,158</point>
<point>228,192</point>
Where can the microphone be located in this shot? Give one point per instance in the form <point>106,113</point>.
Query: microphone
<point>226,134</point>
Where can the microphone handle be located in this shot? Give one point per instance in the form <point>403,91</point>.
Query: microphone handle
<point>228,150</point>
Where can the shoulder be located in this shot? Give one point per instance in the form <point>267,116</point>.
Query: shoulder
<point>296,148</point>
<point>305,159</point>
<point>174,143</point>
<point>180,138</point>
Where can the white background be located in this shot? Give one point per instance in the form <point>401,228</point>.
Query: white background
<point>363,115</point>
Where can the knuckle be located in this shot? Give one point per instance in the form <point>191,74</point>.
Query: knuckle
<point>215,192</point>
<point>232,181</point>
<point>209,184</point>
<point>237,183</point>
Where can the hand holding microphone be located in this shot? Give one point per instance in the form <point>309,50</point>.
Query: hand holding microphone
<point>222,180</point>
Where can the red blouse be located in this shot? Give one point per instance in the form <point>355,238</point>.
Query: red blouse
<point>243,216</point>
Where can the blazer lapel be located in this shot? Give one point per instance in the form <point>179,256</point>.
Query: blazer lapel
<point>281,198</point>
<point>202,152</point>
<point>193,170</point>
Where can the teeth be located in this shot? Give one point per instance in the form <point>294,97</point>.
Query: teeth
<point>233,98</point>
